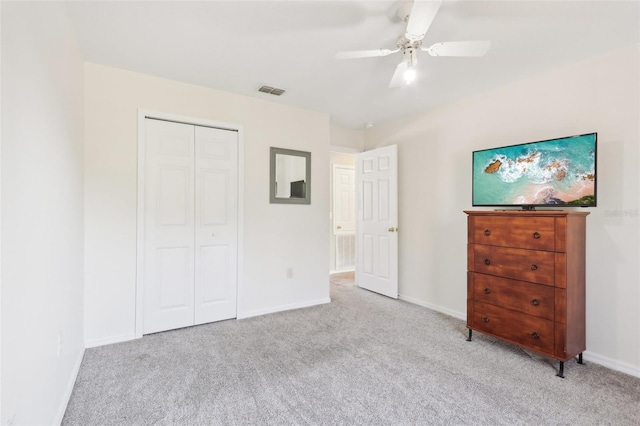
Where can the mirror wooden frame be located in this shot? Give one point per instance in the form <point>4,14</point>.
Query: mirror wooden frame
<point>272,177</point>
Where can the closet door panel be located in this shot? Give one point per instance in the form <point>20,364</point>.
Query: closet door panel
<point>216,227</point>
<point>169,226</point>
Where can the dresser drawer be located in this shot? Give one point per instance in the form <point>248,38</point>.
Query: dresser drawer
<point>536,233</point>
<point>531,299</point>
<point>524,265</point>
<point>526,330</point>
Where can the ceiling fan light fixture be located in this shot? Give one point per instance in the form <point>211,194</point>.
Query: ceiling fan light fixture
<point>418,14</point>
<point>409,74</point>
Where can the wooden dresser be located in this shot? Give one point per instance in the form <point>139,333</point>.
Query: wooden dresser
<point>526,280</point>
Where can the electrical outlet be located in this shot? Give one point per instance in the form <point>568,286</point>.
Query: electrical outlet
<point>59,343</point>
<point>289,272</point>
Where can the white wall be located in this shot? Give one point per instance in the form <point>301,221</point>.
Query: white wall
<point>344,137</point>
<point>1,416</point>
<point>276,236</point>
<point>435,147</point>
<point>42,212</point>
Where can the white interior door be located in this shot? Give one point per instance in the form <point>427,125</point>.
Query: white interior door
<point>190,225</point>
<point>216,224</point>
<point>377,220</point>
<point>344,200</point>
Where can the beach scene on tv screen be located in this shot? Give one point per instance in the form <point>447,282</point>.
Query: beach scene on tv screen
<point>559,171</point>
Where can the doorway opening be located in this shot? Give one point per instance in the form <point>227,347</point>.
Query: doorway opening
<point>342,237</point>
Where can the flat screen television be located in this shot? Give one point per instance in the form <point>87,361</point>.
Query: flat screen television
<point>298,189</point>
<point>550,173</point>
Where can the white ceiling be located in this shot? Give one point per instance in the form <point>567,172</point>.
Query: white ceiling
<point>238,46</point>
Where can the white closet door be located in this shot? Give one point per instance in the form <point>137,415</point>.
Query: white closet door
<point>169,226</point>
<point>216,224</point>
<point>191,225</point>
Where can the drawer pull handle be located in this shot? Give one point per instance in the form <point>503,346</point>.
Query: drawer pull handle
<point>535,302</point>
<point>536,235</point>
<point>534,267</point>
<point>535,335</point>
<point>487,232</point>
<point>487,262</point>
<point>486,290</point>
<point>485,319</point>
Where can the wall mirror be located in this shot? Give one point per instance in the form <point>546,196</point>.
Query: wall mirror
<point>290,177</point>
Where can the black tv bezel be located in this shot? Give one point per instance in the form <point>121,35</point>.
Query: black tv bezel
<point>534,206</point>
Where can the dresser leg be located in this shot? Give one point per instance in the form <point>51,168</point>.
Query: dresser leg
<point>471,332</point>
<point>561,371</point>
<point>580,358</point>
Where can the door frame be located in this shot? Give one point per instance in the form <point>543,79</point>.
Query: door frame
<point>332,237</point>
<point>334,234</point>
<point>143,114</point>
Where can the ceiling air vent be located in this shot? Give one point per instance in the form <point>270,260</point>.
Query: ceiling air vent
<point>271,90</point>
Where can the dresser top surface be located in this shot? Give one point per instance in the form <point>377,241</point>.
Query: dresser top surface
<point>535,213</point>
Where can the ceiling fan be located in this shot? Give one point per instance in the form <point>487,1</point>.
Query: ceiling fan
<point>419,19</point>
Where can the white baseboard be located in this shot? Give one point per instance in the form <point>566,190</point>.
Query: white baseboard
<point>69,388</point>
<point>437,308</point>
<point>109,340</point>
<point>281,308</point>
<point>611,363</point>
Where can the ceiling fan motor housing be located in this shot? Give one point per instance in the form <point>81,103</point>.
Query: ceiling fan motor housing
<point>410,57</point>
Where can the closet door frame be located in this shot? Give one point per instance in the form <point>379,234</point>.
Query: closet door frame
<point>143,114</point>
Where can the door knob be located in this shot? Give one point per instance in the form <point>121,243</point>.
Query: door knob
<point>338,227</point>
<point>392,229</point>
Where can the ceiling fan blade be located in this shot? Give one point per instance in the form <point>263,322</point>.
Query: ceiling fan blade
<point>458,48</point>
<point>398,76</point>
<point>420,19</point>
<point>354,54</point>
